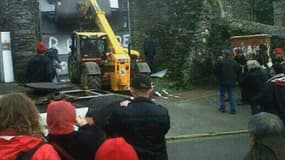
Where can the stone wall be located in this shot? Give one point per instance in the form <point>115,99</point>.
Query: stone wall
<point>279,13</point>
<point>179,29</point>
<point>239,9</point>
<point>253,10</point>
<point>21,18</point>
<point>145,16</point>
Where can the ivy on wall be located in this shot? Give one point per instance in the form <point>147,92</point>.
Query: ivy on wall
<point>179,29</point>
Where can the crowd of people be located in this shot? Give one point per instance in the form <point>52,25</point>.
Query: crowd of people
<point>129,129</point>
<point>260,82</point>
<point>262,85</point>
<point>135,129</point>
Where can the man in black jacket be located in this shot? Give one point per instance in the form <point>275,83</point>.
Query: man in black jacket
<point>253,82</point>
<point>272,96</point>
<point>226,71</point>
<point>39,67</point>
<point>149,50</point>
<point>141,122</point>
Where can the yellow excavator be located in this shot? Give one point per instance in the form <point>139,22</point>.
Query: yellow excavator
<point>97,59</point>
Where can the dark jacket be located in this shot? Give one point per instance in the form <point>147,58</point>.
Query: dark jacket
<point>226,71</point>
<point>262,58</point>
<point>272,96</point>
<point>89,139</point>
<point>144,125</point>
<point>68,143</point>
<point>240,59</point>
<point>39,69</point>
<point>253,82</point>
<point>82,144</point>
<point>268,148</point>
<point>149,48</point>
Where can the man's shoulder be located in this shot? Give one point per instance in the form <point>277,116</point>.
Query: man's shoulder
<point>33,58</point>
<point>39,58</point>
<point>161,107</point>
<point>147,106</point>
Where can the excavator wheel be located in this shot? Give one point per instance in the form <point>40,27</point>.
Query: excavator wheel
<point>71,76</point>
<point>90,81</point>
<point>72,70</point>
<point>95,82</point>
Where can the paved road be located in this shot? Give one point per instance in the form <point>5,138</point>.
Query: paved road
<point>233,147</point>
<point>197,112</point>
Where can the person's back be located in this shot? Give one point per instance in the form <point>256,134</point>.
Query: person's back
<point>272,96</point>
<point>61,117</point>
<point>254,80</point>
<point>240,59</point>
<point>143,123</point>
<point>144,126</point>
<point>20,130</point>
<point>149,51</point>
<point>39,68</point>
<point>226,71</point>
<point>262,56</point>
<point>92,135</point>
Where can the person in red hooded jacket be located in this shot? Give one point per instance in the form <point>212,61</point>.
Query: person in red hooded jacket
<point>20,130</point>
<point>61,118</point>
<point>116,149</point>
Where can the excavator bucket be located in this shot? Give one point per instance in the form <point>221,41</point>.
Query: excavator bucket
<point>67,11</point>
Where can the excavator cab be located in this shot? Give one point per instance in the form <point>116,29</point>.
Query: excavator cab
<point>85,49</point>
<point>92,47</point>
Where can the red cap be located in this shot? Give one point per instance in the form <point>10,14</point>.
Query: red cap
<point>278,51</point>
<point>61,116</point>
<point>41,47</point>
<point>116,149</point>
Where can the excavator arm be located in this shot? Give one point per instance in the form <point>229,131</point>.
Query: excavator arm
<point>90,8</point>
<point>121,63</point>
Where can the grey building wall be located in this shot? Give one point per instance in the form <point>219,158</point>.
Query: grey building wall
<point>30,21</point>
<point>21,18</point>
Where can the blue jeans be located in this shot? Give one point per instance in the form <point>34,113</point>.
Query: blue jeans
<point>230,91</point>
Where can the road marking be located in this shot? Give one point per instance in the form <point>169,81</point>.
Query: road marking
<point>204,135</point>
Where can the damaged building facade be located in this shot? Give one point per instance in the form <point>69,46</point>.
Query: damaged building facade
<point>31,21</point>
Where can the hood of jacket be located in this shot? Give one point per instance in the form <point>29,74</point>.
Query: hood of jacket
<point>12,145</point>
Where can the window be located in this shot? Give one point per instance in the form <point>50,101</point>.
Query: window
<point>114,3</point>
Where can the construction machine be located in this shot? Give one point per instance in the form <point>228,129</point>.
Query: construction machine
<point>97,59</point>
